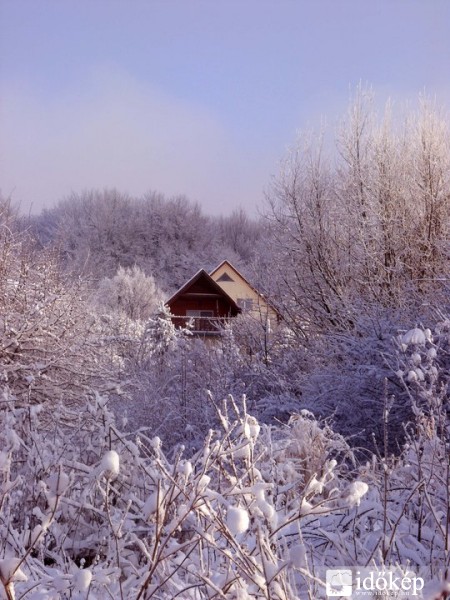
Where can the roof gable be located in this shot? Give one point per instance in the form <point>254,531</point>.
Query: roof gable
<point>230,267</point>
<point>238,275</point>
<point>203,284</point>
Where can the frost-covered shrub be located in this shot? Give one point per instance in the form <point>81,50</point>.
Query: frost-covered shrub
<point>345,377</point>
<point>169,376</point>
<point>256,512</point>
<point>86,510</point>
<point>353,377</point>
<point>130,292</point>
<point>49,339</point>
<point>120,339</point>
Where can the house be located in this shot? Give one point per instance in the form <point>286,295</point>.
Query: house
<point>210,300</point>
<point>204,302</point>
<point>249,300</point>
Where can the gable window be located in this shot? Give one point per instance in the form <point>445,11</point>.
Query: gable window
<point>225,277</point>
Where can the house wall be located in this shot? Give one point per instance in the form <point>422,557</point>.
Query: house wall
<point>198,296</point>
<point>239,289</point>
<point>182,304</point>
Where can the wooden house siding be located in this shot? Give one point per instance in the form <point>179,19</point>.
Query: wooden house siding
<point>205,302</point>
<point>244,294</point>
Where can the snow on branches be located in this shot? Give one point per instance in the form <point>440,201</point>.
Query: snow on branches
<point>219,523</point>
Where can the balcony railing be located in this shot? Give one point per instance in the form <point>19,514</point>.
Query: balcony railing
<point>201,325</point>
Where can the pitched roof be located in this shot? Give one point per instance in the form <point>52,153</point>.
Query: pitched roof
<point>215,286</point>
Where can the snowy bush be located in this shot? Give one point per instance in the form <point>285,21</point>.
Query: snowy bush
<point>131,292</point>
<point>256,512</point>
<point>49,339</point>
<point>169,374</point>
<point>86,510</point>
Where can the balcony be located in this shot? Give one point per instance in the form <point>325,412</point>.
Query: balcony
<point>201,325</point>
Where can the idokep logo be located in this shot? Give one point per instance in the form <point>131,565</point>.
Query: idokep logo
<point>339,582</point>
<point>394,583</point>
<point>356,582</point>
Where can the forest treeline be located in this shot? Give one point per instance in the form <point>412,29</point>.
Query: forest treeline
<point>96,232</point>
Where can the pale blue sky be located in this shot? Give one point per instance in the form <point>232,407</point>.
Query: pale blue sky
<point>190,96</point>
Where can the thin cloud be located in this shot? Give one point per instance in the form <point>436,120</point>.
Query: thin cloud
<point>118,133</point>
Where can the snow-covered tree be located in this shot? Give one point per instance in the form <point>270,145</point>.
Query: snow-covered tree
<point>50,350</point>
<point>359,251</point>
<point>130,291</point>
<point>369,228</point>
<point>97,232</point>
